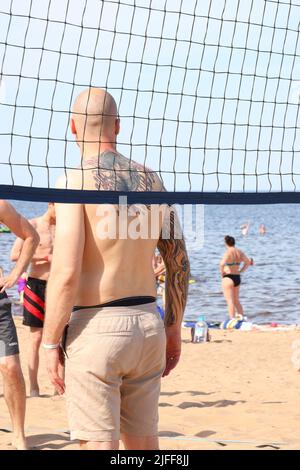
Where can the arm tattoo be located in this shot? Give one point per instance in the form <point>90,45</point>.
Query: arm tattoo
<point>113,172</point>
<point>175,256</point>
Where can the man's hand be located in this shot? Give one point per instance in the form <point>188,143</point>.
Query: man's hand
<point>9,281</point>
<point>173,350</point>
<point>54,357</point>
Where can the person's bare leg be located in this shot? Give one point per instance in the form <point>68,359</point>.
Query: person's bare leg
<point>228,290</point>
<point>15,397</point>
<point>113,445</point>
<point>237,303</point>
<point>140,443</point>
<point>35,339</point>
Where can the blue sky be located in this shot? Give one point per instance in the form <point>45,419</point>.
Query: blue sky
<point>196,83</point>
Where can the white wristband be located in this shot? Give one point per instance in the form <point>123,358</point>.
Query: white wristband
<point>51,346</point>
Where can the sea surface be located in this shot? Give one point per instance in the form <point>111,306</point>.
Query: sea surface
<point>270,290</point>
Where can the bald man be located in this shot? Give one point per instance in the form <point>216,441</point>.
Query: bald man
<point>117,346</point>
<point>14,386</point>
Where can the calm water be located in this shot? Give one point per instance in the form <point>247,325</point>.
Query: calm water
<point>270,290</point>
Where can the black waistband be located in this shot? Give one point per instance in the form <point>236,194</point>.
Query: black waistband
<point>126,302</point>
<point>37,281</point>
<point>231,275</point>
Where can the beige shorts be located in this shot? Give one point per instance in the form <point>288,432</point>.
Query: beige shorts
<point>116,357</point>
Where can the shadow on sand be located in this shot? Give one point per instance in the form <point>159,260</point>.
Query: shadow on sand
<point>49,441</point>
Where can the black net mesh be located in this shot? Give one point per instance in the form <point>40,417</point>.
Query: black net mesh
<point>207,91</point>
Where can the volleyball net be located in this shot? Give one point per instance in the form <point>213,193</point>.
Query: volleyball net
<point>207,93</point>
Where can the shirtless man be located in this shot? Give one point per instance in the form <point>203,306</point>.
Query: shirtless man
<point>14,386</point>
<point>118,349</point>
<point>35,289</point>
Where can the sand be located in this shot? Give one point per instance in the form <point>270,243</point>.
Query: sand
<point>241,391</point>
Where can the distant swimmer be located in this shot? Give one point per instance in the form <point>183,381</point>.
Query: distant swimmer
<point>231,275</point>
<point>262,229</point>
<point>245,228</point>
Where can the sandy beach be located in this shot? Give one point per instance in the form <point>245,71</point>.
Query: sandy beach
<point>240,391</point>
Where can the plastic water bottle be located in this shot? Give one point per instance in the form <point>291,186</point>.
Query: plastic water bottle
<point>161,311</point>
<point>200,332</point>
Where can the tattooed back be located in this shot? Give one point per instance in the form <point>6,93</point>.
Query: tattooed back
<point>119,240</point>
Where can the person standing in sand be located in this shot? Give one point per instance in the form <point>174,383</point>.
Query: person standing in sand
<point>117,346</point>
<point>35,289</point>
<point>14,385</point>
<point>231,275</point>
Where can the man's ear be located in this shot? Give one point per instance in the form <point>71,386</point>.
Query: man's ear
<point>73,127</point>
<point>117,127</point>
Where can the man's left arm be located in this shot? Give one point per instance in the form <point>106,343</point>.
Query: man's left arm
<point>63,281</point>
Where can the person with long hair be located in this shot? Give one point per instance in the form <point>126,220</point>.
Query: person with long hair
<point>231,270</point>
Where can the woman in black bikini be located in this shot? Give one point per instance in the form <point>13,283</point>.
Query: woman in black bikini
<point>231,275</point>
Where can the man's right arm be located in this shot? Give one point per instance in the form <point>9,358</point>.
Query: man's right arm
<point>22,229</point>
<point>18,246</point>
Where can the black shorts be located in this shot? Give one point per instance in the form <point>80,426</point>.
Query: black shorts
<point>8,335</point>
<point>34,303</point>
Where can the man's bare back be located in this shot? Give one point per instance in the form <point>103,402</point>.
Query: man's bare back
<point>114,268</point>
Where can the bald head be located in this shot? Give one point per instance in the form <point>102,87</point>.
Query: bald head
<point>95,116</point>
